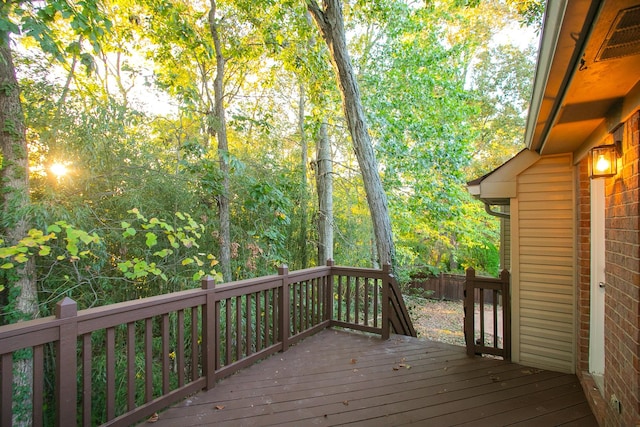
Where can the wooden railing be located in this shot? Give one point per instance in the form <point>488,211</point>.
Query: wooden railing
<point>487,297</point>
<point>118,364</point>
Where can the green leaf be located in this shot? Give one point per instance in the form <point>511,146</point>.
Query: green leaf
<point>44,250</point>
<point>21,258</point>
<point>129,232</point>
<point>163,253</point>
<point>187,261</point>
<point>152,240</point>
<point>6,266</point>
<point>7,252</point>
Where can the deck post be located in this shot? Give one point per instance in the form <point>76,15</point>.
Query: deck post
<point>283,308</point>
<point>469,311</point>
<point>209,332</point>
<point>328,314</point>
<point>66,363</point>
<point>505,277</point>
<point>386,306</point>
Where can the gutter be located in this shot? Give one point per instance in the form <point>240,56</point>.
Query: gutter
<point>548,56</point>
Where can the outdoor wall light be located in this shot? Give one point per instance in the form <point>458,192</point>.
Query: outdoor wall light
<point>603,160</point>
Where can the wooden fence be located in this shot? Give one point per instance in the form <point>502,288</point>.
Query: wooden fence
<point>487,315</point>
<point>118,364</point>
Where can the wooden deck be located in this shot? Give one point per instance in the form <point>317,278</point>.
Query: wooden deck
<point>338,378</point>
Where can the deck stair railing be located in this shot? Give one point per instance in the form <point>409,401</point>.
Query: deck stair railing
<point>487,315</point>
<point>118,364</point>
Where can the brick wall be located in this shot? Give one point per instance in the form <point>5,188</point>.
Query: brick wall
<point>622,300</point>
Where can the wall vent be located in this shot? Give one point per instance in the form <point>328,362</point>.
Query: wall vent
<point>623,38</point>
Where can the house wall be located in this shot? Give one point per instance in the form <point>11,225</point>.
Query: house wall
<point>543,259</point>
<point>622,298</point>
<point>505,241</point>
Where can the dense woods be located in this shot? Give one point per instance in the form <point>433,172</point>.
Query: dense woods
<point>146,144</point>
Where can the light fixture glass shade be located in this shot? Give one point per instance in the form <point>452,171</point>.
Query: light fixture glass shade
<point>603,161</point>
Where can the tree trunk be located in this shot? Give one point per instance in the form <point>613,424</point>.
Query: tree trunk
<point>304,193</point>
<point>324,180</point>
<point>219,128</point>
<point>331,25</point>
<point>14,186</point>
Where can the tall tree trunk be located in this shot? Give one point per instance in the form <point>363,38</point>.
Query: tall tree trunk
<point>14,187</point>
<point>304,193</point>
<point>219,127</point>
<point>324,180</point>
<point>331,25</point>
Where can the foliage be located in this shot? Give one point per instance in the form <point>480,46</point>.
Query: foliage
<point>443,102</point>
<point>149,256</point>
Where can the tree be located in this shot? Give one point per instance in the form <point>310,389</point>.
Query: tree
<point>324,181</point>
<point>218,127</point>
<point>15,180</point>
<point>36,21</point>
<point>331,25</point>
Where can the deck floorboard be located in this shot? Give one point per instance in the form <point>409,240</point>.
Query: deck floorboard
<point>343,378</point>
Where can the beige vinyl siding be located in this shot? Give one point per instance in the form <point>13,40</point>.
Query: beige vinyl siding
<point>544,276</point>
<point>505,241</point>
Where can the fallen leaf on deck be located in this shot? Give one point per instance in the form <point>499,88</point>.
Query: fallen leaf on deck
<point>153,418</point>
<point>345,403</point>
<point>396,368</point>
<point>219,407</point>
<point>354,361</point>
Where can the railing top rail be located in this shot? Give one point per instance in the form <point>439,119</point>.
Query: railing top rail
<point>358,271</point>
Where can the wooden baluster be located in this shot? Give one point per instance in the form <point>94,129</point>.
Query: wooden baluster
<point>111,373</point>
<point>210,318</point>
<point>495,318</point>
<point>66,363</point>
<point>6,389</point>
<point>247,334</point>
<point>469,311</point>
<point>131,365</point>
<point>348,298</point>
<point>376,297</point>
<point>283,308</point>
<point>148,359</point>
<point>194,344</point>
<point>307,305</point>
<point>180,349</point>
<point>481,316</point>
<point>164,330</point>
<point>367,283</point>
<point>356,308</point>
<point>228,333</point>
<point>386,306</point>
<point>238,328</point>
<point>86,379</point>
<point>340,298</point>
<point>259,321</point>
<point>329,293</point>
<point>38,385</point>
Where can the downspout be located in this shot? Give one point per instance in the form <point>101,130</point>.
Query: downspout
<point>487,208</point>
